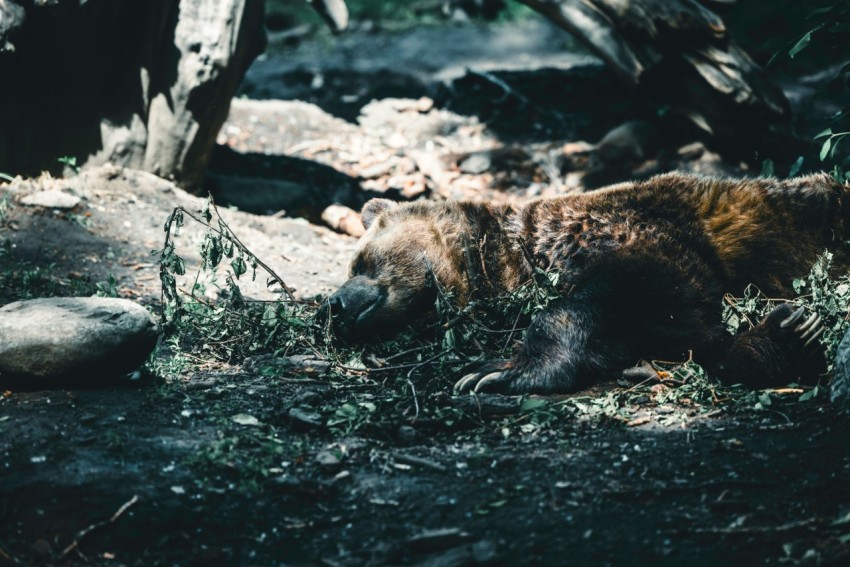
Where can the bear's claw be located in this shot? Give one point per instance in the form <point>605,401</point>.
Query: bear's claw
<point>479,382</point>
<point>792,318</point>
<point>808,331</point>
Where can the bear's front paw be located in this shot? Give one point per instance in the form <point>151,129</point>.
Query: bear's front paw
<point>796,329</point>
<point>492,377</point>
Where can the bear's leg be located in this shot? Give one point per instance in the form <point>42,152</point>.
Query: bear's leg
<point>561,352</point>
<point>655,300</point>
<point>784,347</point>
<point>573,343</point>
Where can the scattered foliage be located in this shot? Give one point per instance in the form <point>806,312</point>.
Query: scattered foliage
<point>209,315</point>
<point>827,37</point>
<point>217,320</point>
<point>70,162</point>
<point>822,292</point>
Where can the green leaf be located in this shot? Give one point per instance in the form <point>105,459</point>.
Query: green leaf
<point>178,266</point>
<point>836,140</point>
<point>796,167</point>
<point>806,396</point>
<point>827,132</point>
<point>767,168</point>
<point>212,252</point>
<point>296,323</point>
<point>239,266</point>
<point>824,150</point>
<point>802,43</point>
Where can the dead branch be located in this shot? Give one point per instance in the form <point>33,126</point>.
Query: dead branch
<point>96,526</point>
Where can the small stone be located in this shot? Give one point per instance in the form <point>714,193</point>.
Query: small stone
<point>245,419</point>
<point>68,341</point>
<point>484,552</point>
<point>305,419</point>
<point>408,435</point>
<point>633,141</point>
<point>476,163</point>
<point>305,363</point>
<point>51,199</point>
<point>328,458</point>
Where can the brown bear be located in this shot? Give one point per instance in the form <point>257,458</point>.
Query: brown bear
<point>643,267</point>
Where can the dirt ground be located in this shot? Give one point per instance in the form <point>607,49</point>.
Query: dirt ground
<point>223,464</point>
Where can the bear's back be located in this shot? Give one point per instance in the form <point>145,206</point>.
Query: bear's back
<point>761,231</point>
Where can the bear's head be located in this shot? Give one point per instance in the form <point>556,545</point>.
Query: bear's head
<point>393,276</point>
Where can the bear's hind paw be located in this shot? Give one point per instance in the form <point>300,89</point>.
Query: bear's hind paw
<point>491,378</point>
<point>800,326</point>
<point>807,331</point>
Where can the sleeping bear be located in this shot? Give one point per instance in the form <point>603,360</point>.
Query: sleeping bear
<point>643,268</point>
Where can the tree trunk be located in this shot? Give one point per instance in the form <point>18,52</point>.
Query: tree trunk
<point>133,82</point>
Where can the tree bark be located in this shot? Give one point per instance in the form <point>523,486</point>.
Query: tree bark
<point>679,54</point>
<point>141,84</point>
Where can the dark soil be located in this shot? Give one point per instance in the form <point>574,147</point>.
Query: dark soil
<point>743,488</point>
<point>230,465</point>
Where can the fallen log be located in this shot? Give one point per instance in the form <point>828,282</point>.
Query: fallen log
<point>679,55</point>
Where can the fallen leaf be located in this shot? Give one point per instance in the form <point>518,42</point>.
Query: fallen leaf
<point>245,419</point>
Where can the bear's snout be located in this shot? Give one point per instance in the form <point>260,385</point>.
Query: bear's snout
<point>353,307</point>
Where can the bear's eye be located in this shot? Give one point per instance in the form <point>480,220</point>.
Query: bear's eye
<point>359,267</point>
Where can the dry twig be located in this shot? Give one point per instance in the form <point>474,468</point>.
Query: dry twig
<point>96,526</point>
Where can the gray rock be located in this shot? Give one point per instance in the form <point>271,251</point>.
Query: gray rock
<point>633,141</point>
<point>51,199</point>
<point>68,342</point>
<point>476,163</point>
<point>840,387</point>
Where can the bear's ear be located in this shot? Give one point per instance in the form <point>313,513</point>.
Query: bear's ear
<point>372,209</point>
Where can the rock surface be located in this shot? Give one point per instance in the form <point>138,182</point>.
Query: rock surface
<point>72,342</point>
<point>120,221</point>
<point>52,199</point>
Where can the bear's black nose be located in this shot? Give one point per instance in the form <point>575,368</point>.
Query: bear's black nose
<point>336,302</point>
<point>352,307</point>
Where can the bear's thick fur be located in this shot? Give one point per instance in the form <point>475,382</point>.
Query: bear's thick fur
<point>643,266</point>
